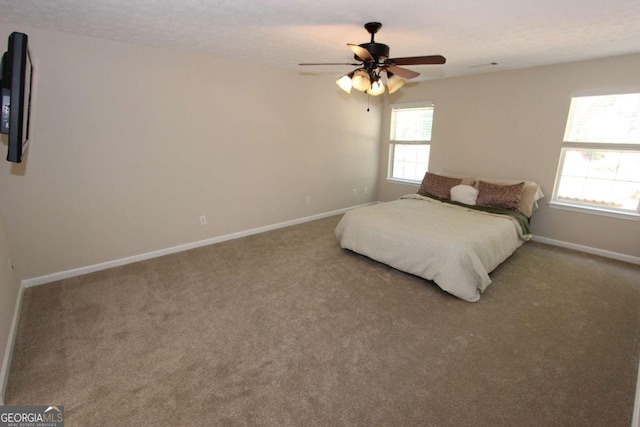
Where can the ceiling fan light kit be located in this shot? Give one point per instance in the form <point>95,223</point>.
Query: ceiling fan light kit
<point>374,62</point>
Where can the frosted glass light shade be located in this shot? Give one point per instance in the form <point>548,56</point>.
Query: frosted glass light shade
<point>345,83</point>
<point>361,80</point>
<point>377,88</point>
<point>394,82</point>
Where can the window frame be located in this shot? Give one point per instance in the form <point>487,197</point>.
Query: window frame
<point>393,143</point>
<point>555,202</point>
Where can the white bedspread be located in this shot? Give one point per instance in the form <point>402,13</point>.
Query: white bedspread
<point>456,247</point>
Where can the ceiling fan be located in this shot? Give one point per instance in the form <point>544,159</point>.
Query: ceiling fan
<point>374,61</point>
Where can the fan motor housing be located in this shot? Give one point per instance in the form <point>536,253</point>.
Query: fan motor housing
<point>377,50</point>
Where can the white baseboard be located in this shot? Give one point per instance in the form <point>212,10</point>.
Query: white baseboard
<point>588,249</point>
<point>41,280</point>
<point>8,353</point>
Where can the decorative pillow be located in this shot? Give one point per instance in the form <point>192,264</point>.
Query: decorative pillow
<point>437,185</point>
<point>531,193</point>
<point>467,180</point>
<point>464,194</point>
<point>500,196</point>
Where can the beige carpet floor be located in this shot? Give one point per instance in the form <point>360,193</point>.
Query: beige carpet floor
<point>287,329</point>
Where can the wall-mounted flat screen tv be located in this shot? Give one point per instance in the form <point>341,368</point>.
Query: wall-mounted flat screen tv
<point>17,71</point>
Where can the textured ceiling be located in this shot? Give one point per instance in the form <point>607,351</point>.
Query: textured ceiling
<point>471,34</point>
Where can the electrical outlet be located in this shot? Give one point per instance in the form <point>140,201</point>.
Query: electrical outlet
<point>364,190</point>
<point>308,199</point>
<point>11,266</point>
<point>355,191</point>
<point>203,220</point>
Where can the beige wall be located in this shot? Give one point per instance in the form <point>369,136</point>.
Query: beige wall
<point>131,144</point>
<point>510,124</point>
<point>9,289</point>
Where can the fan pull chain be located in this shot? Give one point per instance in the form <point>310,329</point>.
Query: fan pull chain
<point>368,99</point>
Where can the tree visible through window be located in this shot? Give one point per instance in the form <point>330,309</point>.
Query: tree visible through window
<point>599,165</point>
<point>410,141</point>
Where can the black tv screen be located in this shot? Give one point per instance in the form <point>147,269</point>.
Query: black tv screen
<point>17,70</point>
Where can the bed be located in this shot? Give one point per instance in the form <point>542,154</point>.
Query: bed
<point>443,239</point>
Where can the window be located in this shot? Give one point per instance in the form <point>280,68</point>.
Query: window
<point>599,169</point>
<point>410,141</point>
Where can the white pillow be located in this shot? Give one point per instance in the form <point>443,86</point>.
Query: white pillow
<point>464,194</point>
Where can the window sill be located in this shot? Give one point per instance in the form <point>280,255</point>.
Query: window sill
<point>403,181</point>
<point>632,216</point>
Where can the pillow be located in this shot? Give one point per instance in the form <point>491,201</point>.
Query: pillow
<point>437,185</point>
<point>531,193</point>
<point>500,196</point>
<point>466,179</point>
<point>464,194</point>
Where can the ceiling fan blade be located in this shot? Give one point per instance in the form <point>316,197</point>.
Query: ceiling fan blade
<point>402,72</point>
<point>418,60</point>
<point>360,52</point>
<point>329,63</point>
